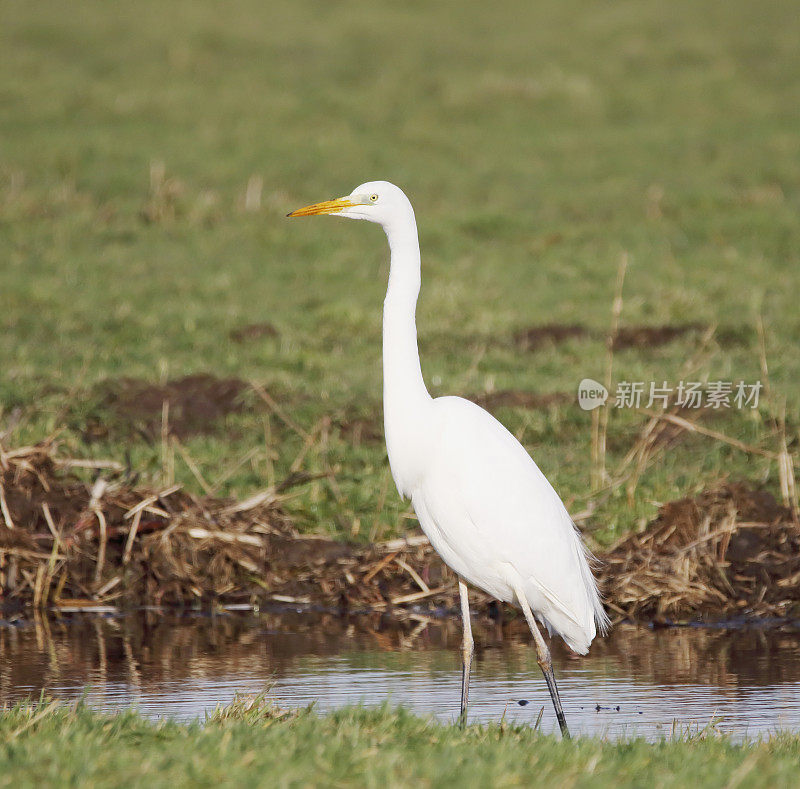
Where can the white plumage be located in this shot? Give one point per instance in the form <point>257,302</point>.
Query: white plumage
<point>494,518</point>
<point>484,504</point>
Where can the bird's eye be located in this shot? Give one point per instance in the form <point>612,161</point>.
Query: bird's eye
<point>374,198</point>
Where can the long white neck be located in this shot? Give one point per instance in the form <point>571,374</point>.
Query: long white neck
<point>406,403</point>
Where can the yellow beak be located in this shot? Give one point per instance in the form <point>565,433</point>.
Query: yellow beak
<point>326,207</point>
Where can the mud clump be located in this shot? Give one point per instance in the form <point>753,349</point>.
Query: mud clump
<point>636,336</point>
<point>253,331</point>
<point>361,430</point>
<point>536,337</point>
<point>360,424</point>
<point>730,551</point>
<point>732,336</point>
<point>186,406</point>
<point>653,336</point>
<point>519,398</point>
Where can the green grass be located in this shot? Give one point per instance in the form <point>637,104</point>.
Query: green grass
<point>538,144</point>
<point>60,746</point>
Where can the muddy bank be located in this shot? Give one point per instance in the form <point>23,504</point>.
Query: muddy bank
<point>67,544</point>
<point>636,336</point>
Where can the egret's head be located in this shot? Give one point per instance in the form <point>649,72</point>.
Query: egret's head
<point>375,201</point>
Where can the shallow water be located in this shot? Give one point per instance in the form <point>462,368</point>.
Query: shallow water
<point>635,681</point>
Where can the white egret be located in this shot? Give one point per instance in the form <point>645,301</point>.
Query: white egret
<point>481,500</point>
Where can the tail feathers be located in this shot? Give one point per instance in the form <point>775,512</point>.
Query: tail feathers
<point>577,622</point>
<point>579,632</point>
<point>586,561</point>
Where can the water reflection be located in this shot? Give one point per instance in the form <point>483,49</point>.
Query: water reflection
<point>749,679</point>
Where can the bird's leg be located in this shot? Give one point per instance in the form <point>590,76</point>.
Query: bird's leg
<point>545,663</point>
<point>467,645</point>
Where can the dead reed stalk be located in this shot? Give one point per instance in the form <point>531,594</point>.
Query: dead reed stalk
<point>600,415</point>
<point>786,473</point>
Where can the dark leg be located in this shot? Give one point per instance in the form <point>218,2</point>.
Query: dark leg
<point>545,663</point>
<point>466,650</point>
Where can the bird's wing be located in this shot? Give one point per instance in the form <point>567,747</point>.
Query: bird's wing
<point>511,506</point>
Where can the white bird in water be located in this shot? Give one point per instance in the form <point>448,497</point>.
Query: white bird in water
<point>483,503</point>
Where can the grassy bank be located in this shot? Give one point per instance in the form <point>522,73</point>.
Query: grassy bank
<point>356,747</point>
<point>148,155</point>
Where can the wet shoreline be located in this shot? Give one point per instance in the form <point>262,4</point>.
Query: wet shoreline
<point>744,680</point>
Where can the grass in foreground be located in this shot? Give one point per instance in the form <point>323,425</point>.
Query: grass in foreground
<point>148,155</point>
<point>261,746</point>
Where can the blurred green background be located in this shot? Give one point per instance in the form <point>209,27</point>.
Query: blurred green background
<point>149,152</point>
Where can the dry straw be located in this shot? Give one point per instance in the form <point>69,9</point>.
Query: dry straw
<point>77,545</point>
